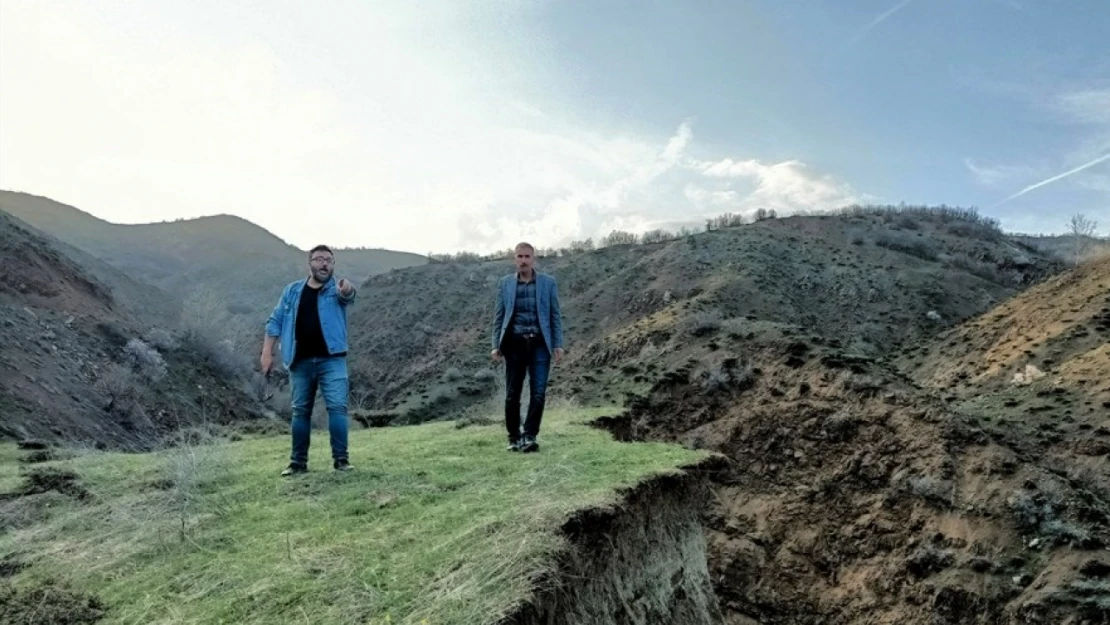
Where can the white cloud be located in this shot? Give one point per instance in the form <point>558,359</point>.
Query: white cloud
<point>994,175</point>
<point>787,186</point>
<point>413,152</point>
<point>1086,106</point>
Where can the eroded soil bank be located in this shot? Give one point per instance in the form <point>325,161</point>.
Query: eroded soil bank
<point>642,562</point>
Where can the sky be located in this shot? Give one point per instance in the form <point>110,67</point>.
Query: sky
<point>450,125</point>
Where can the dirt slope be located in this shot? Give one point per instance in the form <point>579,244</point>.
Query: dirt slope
<point>1058,332</point>
<point>853,497</point>
<point>66,372</point>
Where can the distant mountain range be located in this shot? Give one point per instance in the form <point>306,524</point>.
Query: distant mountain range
<point>243,262</point>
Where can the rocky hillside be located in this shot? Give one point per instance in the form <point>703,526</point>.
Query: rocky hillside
<point>79,365</point>
<point>245,264</point>
<point>969,484</point>
<point>855,491</point>
<point>866,281</point>
<point>851,496</point>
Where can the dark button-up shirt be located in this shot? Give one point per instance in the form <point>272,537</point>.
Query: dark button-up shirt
<point>526,318</point>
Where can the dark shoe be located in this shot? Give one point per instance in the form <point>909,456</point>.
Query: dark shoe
<point>294,469</point>
<point>528,445</point>
<point>513,445</point>
<point>342,465</point>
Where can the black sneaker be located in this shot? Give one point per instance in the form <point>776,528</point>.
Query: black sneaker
<point>514,445</point>
<point>294,469</point>
<point>528,444</point>
<point>342,465</point>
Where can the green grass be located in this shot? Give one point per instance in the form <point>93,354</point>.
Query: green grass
<point>437,525</point>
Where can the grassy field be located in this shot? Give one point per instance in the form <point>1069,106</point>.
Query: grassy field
<point>437,524</point>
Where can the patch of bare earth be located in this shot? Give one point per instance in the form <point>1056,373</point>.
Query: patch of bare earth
<point>852,497</point>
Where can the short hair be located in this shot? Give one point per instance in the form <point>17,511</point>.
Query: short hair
<point>524,244</point>
<point>320,248</point>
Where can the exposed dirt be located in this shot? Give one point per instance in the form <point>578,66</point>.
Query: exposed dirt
<point>44,480</point>
<point>65,375</point>
<point>852,497</point>
<point>11,565</point>
<point>641,562</point>
<point>48,604</point>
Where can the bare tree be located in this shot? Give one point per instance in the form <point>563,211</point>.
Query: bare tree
<point>620,237</point>
<point>1082,229</point>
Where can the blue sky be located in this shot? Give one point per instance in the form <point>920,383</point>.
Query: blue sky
<point>440,126</point>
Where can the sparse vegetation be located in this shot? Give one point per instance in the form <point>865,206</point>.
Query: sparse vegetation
<point>1039,512</point>
<point>145,360</point>
<point>619,237</point>
<point>940,214</point>
<point>911,244</point>
<point>720,222</point>
<point>702,323</point>
<point>1082,230</point>
<point>931,489</point>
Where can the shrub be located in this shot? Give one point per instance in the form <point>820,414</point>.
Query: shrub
<point>763,214</point>
<point>1061,532</point>
<point>1038,513</point>
<point>964,221</point>
<point>702,324</point>
<point>907,222</point>
<point>162,339</point>
<point>727,220</point>
<point>485,375</point>
<point>221,355</point>
<point>908,244</point>
<point>619,237</point>
<point>985,270</point>
<point>931,489</point>
<point>657,236</point>
<point>730,374</point>
<point>1031,511</point>
<point>145,360</point>
<point>578,247</point>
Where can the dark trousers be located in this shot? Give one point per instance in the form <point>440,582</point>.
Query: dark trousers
<point>524,355</point>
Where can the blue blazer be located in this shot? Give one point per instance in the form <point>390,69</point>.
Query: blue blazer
<point>547,306</point>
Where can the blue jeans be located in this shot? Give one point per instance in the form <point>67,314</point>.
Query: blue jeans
<point>532,357</point>
<point>329,375</point>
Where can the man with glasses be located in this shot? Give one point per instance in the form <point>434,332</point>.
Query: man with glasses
<point>310,321</point>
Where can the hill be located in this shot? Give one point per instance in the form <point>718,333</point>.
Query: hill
<point>437,524</point>
<point>245,264</point>
<point>140,302</point>
<point>1064,246</point>
<point>853,493</point>
<point>1035,371</point>
<point>78,363</point>
<point>867,281</point>
<point>853,496</point>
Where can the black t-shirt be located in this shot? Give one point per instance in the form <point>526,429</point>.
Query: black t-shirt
<point>310,337</point>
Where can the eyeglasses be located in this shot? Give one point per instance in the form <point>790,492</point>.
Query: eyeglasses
<point>323,259</point>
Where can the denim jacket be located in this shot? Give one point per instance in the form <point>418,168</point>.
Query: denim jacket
<point>333,318</point>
